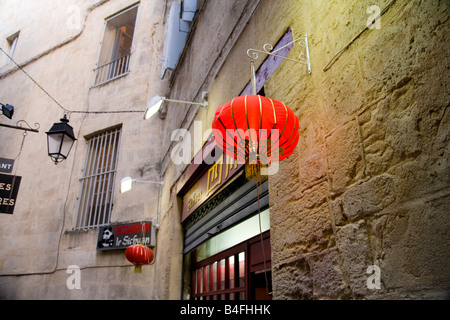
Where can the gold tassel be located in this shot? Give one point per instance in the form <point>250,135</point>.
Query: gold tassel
<point>253,172</point>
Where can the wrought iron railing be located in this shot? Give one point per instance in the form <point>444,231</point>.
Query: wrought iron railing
<point>112,70</point>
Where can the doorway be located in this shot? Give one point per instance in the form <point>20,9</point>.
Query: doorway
<point>242,272</point>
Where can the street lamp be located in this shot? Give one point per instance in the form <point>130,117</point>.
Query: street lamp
<point>127,182</point>
<point>7,110</point>
<point>60,139</point>
<point>156,103</point>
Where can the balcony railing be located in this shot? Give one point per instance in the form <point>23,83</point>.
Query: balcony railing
<point>112,70</point>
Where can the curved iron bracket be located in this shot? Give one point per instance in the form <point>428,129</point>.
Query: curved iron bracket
<point>303,58</point>
<point>19,126</point>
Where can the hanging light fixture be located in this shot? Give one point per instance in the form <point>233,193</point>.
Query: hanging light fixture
<point>60,139</point>
<point>139,255</point>
<point>256,130</point>
<point>7,110</point>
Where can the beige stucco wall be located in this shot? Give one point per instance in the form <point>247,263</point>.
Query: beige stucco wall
<point>369,181</point>
<point>38,243</point>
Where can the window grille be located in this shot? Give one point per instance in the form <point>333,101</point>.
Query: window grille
<point>112,70</point>
<point>95,201</point>
<point>225,277</point>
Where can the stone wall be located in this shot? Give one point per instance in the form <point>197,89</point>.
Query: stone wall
<point>369,181</point>
<point>367,188</point>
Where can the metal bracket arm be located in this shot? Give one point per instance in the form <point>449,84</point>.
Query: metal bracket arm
<point>19,126</point>
<point>303,58</point>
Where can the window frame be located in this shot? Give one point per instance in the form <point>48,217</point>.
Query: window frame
<point>114,67</point>
<point>212,281</point>
<point>227,285</point>
<point>96,195</point>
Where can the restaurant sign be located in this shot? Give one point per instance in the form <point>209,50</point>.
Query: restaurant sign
<point>6,165</point>
<point>9,188</point>
<point>215,177</point>
<point>120,236</point>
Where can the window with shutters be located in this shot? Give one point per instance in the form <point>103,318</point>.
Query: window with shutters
<point>117,44</point>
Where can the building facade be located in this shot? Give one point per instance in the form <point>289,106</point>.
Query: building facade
<point>358,211</point>
<point>100,59</point>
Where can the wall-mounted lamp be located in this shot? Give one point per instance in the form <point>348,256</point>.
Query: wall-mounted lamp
<point>127,182</point>
<point>7,110</point>
<point>155,105</point>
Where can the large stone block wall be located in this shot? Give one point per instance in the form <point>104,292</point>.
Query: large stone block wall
<point>369,183</point>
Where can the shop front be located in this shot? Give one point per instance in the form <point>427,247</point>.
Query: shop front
<point>227,254</point>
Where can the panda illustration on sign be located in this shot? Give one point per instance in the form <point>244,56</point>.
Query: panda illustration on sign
<point>107,238</point>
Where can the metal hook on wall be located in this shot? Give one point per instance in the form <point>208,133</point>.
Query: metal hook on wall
<point>303,58</point>
<point>19,126</point>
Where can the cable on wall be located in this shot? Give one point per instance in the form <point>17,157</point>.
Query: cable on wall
<point>341,52</point>
<point>66,111</point>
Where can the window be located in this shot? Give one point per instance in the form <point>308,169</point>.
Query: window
<point>97,184</point>
<point>223,277</point>
<point>242,272</point>
<point>231,264</point>
<point>116,48</point>
<point>12,43</point>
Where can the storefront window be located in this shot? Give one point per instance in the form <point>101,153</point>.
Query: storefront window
<point>231,237</point>
<point>222,266</point>
<point>221,279</point>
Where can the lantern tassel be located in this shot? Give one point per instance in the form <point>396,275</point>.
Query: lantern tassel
<point>137,269</point>
<point>253,76</point>
<point>258,182</point>
<point>253,172</point>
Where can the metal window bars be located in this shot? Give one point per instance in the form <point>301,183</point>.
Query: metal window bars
<point>112,70</point>
<point>95,200</point>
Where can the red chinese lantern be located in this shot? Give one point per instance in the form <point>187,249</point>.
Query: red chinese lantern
<point>139,255</point>
<point>256,130</point>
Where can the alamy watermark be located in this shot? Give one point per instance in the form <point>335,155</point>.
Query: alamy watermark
<point>374,280</point>
<point>73,21</point>
<point>74,280</point>
<point>374,20</point>
<point>250,146</point>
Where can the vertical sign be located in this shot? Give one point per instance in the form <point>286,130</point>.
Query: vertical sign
<point>216,176</point>
<point>9,187</point>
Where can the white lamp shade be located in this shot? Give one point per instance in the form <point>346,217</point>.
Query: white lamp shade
<point>153,107</point>
<point>125,184</point>
<point>60,139</point>
<point>59,146</point>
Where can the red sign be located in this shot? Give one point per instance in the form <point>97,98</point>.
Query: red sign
<point>120,236</point>
<point>219,173</point>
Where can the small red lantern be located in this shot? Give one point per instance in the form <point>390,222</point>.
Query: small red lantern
<point>139,255</point>
<point>256,130</point>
